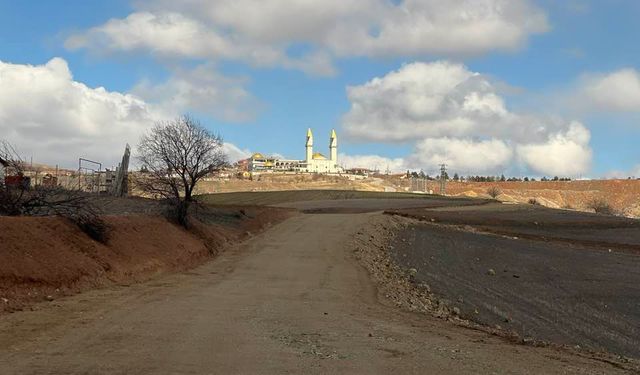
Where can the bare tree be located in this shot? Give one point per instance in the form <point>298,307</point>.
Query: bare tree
<point>13,187</point>
<point>178,154</point>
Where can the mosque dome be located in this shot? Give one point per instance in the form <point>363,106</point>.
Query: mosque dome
<point>319,156</point>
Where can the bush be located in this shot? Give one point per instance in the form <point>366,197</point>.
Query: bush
<point>74,205</point>
<point>600,206</point>
<point>494,192</point>
<point>19,198</point>
<point>534,202</point>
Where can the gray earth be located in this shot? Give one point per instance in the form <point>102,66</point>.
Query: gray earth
<point>560,276</point>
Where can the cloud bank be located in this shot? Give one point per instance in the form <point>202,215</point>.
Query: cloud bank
<point>308,35</point>
<point>455,116</point>
<point>55,119</point>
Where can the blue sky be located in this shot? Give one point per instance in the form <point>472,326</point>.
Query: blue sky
<point>545,76</point>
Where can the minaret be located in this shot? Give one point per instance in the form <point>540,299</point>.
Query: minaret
<point>309,146</point>
<point>333,147</point>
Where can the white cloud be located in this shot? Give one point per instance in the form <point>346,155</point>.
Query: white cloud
<point>46,114</point>
<point>620,174</point>
<point>204,90</point>
<point>463,155</point>
<point>455,116</point>
<point>618,91</point>
<point>372,162</point>
<point>168,34</point>
<point>54,118</point>
<point>562,155</point>
<point>235,153</point>
<point>439,99</point>
<point>262,33</point>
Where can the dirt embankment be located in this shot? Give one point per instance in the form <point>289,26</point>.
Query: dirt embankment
<point>622,195</point>
<point>43,258</point>
<point>278,181</point>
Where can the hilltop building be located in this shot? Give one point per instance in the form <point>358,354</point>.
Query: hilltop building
<point>313,162</point>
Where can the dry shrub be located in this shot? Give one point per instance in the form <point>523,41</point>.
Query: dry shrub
<point>534,201</point>
<point>601,206</point>
<point>19,198</point>
<point>494,192</point>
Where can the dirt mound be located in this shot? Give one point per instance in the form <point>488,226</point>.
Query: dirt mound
<point>622,195</point>
<point>42,258</point>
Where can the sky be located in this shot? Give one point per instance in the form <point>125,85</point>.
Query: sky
<point>514,87</point>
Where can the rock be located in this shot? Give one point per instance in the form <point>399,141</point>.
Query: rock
<point>49,298</point>
<point>491,272</point>
<point>5,300</point>
<point>456,311</point>
<point>516,276</point>
<point>413,272</point>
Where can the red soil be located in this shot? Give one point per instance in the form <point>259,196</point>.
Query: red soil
<point>42,258</point>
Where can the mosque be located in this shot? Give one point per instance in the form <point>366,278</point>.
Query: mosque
<point>313,162</point>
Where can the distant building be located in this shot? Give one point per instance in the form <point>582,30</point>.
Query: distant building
<point>313,162</point>
<point>360,171</point>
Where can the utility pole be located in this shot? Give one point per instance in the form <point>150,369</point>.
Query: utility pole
<point>443,179</point>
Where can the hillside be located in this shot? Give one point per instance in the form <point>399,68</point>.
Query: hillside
<point>622,195</point>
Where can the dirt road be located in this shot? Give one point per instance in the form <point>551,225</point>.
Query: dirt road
<point>291,300</point>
